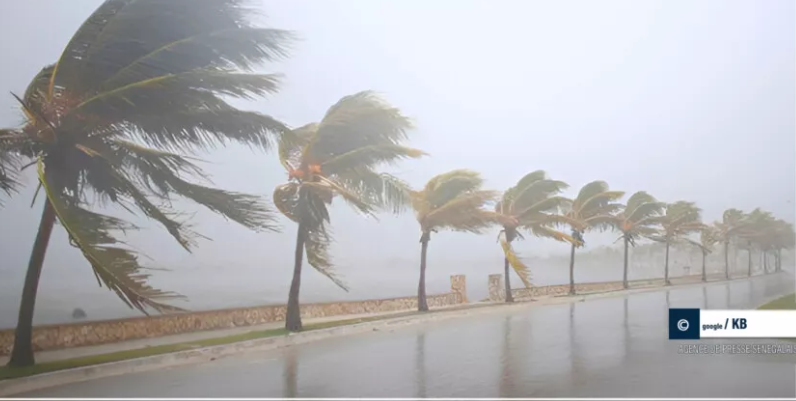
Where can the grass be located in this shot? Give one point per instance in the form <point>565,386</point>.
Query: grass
<point>786,302</point>
<point>7,372</point>
<point>782,303</point>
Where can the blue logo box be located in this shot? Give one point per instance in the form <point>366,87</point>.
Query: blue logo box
<point>684,324</point>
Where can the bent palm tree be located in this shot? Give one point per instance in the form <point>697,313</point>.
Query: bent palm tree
<point>138,83</point>
<point>593,208</point>
<point>530,205</point>
<point>758,223</point>
<point>453,201</point>
<point>679,219</point>
<point>732,225</point>
<point>707,239</point>
<point>781,236</point>
<point>638,219</point>
<point>337,158</point>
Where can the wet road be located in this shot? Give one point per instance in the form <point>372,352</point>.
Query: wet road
<point>613,347</point>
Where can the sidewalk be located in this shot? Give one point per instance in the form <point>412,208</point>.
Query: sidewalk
<point>78,352</point>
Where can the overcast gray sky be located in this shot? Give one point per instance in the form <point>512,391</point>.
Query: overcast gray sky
<point>688,100</point>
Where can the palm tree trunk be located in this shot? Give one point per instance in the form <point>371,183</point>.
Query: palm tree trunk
<point>22,353</point>
<point>422,303</point>
<point>704,267</point>
<point>778,260</point>
<point>727,260</point>
<point>509,296</point>
<point>749,272</point>
<point>572,271</point>
<point>666,267</point>
<point>624,275</point>
<point>765,262</point>
<point>293,315</point>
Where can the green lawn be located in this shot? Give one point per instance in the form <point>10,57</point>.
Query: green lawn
<point>11,373</point>
<point>786,302</point>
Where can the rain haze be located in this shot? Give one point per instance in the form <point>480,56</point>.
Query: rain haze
<point>688,100</point>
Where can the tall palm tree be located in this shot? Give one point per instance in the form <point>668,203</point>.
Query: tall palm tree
<point>138,85</point>
<point>728,230</point>
<point>452,201</point>
<point>532,205</point>
<point>679,219</point>
<point>781,236</point>
<point>636,220</point>
<point>338,157</point>
<point>707,239</point>
<point>593,208</point>
<point>759,222</point>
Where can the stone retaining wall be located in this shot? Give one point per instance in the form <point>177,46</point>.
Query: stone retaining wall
<point>109,331</point>
<point>497,289</point>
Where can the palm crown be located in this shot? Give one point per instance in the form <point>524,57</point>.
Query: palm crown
<point>594,207</point>
<point>680,219</point>
<point>533,205</point>
<point>139,82</point>
<point>640,217</point>
<point>454,201</point>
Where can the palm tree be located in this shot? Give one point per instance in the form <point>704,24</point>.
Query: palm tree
<point>781,236</point>
<point>593,208</point>
<point>732,225</point>
<point>453,201</point>
<point>679,219</point>
<point>638,219</point>
<point>530,205</point>
<point>759,223</point>
<point>338,157</point>
<point>707,239</point>
<point>137,86</point>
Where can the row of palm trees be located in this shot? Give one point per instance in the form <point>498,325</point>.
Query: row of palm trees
<point>139,92</point>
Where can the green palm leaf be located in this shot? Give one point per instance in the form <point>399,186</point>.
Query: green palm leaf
<point>115,267</point>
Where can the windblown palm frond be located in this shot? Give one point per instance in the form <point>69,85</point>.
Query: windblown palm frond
<point>594,208</point>
<point>732,225</point>
<point>454,201</point>
<point>680,219</point>
<point>114,266</point>
<point>141,83</point>
<point>533,205</point>
<point>339,157</point>
<point>10,163</point>
<point>708,238</point>
<point>640,217</point>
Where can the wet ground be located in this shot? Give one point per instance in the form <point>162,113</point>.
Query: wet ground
<point>613,347</point>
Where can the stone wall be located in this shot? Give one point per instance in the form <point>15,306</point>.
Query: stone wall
<point>109,331</point>
<point>497,290</point>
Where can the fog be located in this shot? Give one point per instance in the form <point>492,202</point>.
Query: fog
<point>686,100</point>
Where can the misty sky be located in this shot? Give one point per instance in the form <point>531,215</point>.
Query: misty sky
<point>688,100</point>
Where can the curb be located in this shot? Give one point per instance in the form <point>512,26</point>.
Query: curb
<point>208,354</point>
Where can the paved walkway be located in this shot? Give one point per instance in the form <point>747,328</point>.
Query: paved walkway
<point>77,352</point>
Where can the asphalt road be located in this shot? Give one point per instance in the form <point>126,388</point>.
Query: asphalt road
<point>613,347</point>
